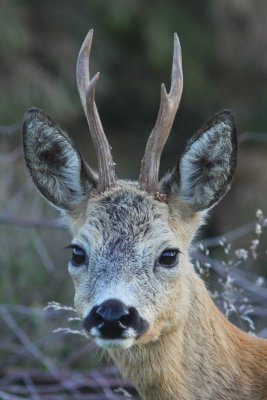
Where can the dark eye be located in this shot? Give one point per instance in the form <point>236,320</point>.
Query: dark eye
<point>169,258</point>
<point>78,256</point>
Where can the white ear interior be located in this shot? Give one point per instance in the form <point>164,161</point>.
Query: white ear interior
<point>54,162</point>
<point>67,176</point>
<point>206,165</point>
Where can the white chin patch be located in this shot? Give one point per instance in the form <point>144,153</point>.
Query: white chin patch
<point>111,343</point>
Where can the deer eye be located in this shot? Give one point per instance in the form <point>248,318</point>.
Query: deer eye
<point>78,256</point>
<point>169,258</point>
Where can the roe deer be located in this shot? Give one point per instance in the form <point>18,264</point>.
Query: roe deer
<point>135,288</point>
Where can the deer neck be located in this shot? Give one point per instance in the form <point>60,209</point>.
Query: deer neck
<point>188,362</point>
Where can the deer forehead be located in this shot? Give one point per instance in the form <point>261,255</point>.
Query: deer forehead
<point>123,218</point>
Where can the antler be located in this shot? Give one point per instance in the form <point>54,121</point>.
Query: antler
<point>169,103</point>
<point>86,87</point>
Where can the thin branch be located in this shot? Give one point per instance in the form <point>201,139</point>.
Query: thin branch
<point>263,333</point>
<point>16,200</point>
<point>12,156</point>
<point>227,237</point>
<point>220,269</point>
<point>6,396</point>
<point>79,353</point>
<point>104,383</point>
<point>32,223</point>
<point>25,340</point>
<point>10,129</point>
<point>24,310</point>
<point>42,252</point>
<point>252,137</point>
<point>31,387</point>
<point>86,386</point>
<point>260,312</point>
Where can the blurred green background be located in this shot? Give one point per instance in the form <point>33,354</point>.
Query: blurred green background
<point>225,66</point>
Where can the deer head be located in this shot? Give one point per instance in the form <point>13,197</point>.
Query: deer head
<point>130,263</point>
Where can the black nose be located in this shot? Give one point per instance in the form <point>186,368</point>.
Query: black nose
<point>112,311</point>
<point>112,318</point>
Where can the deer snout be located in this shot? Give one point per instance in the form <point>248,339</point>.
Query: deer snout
<point>114,320</point>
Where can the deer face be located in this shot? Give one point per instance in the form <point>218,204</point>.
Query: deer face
<point>127,267</point>
<point>129,261</point>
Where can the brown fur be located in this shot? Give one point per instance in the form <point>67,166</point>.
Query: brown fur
<point>204,358</point>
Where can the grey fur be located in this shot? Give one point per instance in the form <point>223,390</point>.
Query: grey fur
<point>124,233</point>
<point>55,164</point>
<point>206,167</point>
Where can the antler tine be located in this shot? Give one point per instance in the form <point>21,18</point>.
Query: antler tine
<point>169,103</point>
<point>86,88</point>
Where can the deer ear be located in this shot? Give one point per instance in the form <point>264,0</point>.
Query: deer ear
<point>207,166</point>
<point>56,167</point>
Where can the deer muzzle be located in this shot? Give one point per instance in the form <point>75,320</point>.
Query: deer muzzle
<point>113,323</point>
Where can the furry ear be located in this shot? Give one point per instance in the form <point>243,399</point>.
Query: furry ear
<point>206,167</point>
<point>56,167</point>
